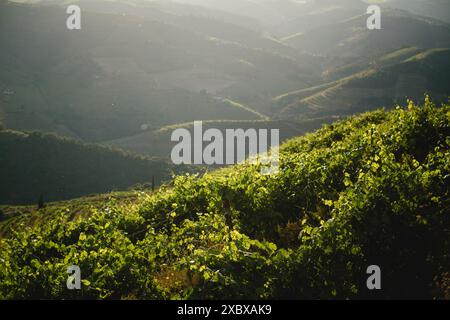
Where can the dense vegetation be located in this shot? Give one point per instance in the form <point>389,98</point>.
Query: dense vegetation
<point>373,189</point>
<point>34,164</point>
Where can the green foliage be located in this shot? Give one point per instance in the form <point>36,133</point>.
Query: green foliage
<point>372,189</point>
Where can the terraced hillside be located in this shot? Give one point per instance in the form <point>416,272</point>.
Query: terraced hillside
<point>422,73</point>
<point>131,66</point>
<point>437,9</point>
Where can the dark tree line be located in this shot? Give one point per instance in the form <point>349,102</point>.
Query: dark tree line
<point>36,166</point>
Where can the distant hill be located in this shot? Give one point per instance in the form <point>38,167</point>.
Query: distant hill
<point>279,17</point>
<point>355,65</point>
<point>437,9</point>
<point>317,13</point>
<point>384,83</point>
<point>34,164</point>
<point>351,38</point>
<point>125,69</point>
<point>262,11</point>
<point>158,143</point>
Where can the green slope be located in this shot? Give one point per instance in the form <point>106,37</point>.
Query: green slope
<point>357,65</point>
<point>34,164</point>
<point>373,189</point>
<point>383,83</point>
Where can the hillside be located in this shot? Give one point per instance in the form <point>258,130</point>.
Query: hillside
<point>351,38</point>
<point>158,142</point>
<point>372,189</point>
<point>132,66</point>
<point>313,14</point>
<point>34,164</point>
<point>437,9</point>
<point>390,79</point>
<point>279,17</point>
<point>342,70</point>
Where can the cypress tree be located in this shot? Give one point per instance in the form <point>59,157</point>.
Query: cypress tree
<point>41,202</point>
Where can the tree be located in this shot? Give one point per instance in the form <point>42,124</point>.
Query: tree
<point>41,202</point>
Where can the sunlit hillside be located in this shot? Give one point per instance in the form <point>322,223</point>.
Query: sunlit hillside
<point>371,189</point>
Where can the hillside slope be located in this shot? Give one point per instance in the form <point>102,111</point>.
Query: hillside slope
<point>158,142</point>
<point>383,83</point>
<point>373,189</point>
<point>351,38</point>
<point>34,164</point>
<point>130,66</point>
<point>437,9</point>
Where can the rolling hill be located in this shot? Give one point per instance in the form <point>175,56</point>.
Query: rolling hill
<point>34,164</point>
<point>384,83</point>
<point>372,189</point>
<point>313,14</point>
<point>351,38</point>
<point>158,142</point>
<point>123,70</point>
<point>437,9</point>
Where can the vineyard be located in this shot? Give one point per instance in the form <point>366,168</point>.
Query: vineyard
<point>371,189</point>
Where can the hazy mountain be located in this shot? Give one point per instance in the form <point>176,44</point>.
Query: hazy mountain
<point>412,78</point>
<point>351,38</point>
<point>261,11</point>
<point>120,72</point>
<point>438,9</point>
<point>313,14</point>
<point>281,16</point>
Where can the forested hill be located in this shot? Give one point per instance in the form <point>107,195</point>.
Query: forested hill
<point>34,164</point>
<point>373,189</point>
